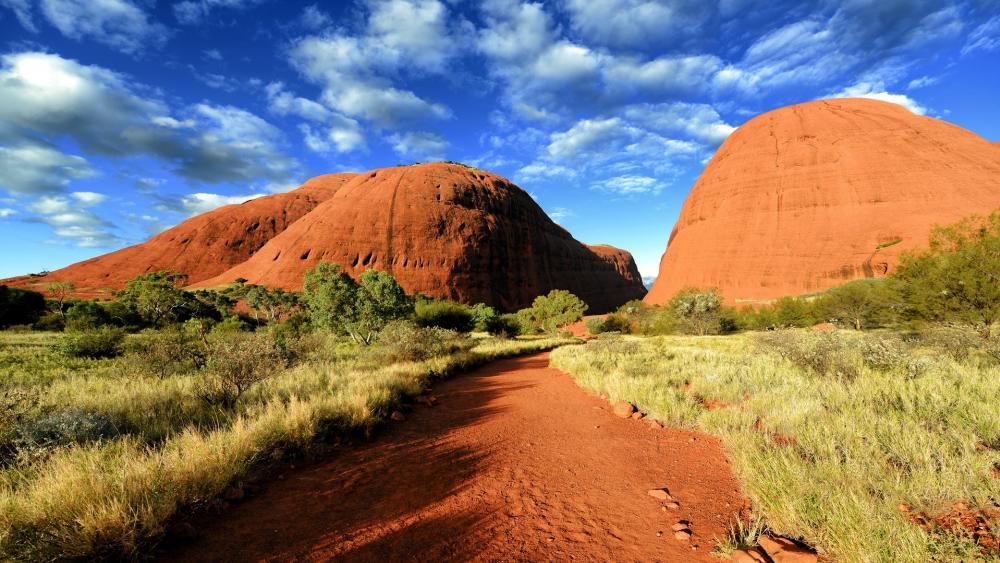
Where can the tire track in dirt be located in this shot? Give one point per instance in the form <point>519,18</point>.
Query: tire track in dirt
<point>515,463</point>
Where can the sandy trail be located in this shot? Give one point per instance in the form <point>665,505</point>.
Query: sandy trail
<point>515,463</point>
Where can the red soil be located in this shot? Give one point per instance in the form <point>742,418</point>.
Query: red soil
<point>514,462</point>
<point>799,199</point>
<point>448,231</point>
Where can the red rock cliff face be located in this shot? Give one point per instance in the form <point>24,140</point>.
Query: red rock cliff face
<point>206,244</point>
<point>446,231</point>
<point>801,198</point>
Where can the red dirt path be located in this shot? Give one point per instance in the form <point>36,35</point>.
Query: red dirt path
<point>514,463</point>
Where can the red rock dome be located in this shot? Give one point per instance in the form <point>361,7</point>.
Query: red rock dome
<point>444,230</point>
<point>809,196</point>
<point>204,245</point>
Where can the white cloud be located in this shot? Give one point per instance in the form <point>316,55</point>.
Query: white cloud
<point>194,204</point>
<point>313,18</point>
<point>419,144</point>
<point>194,11</point>
<point>49,97</point>
<point>560,214</point>
<point>89,198</point>
<point>32,167</point>
<point>629,185</point>
<point>120,24</point>
<point>540,169</point>
<point>699,121</point>
<point>72,220</point>
<point>985,38</point>
<point>877,92</point>
<point>636,23</point>
<point>6,212</point>
<point>344,135</point>
<point>923,82</point>
<point>22,11</point>
<point>357,71</point>
<point>598,140</point>
<point>282,102</point>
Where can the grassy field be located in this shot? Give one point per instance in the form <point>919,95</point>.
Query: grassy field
<point>830,434</point>
<point>141,447</point>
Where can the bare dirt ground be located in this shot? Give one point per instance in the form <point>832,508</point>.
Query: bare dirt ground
<point>514,463</point>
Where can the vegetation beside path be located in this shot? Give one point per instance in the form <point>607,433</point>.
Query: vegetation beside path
<point>868,446</point>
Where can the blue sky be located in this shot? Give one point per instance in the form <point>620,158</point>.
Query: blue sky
<point>119,118</point>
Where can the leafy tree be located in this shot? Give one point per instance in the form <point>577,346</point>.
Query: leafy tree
<point>158,297</point>
<point>860,303</point>
<point>549,312</point>
<point>60,292</point>
<point>86,314</point>
<point>359,309</point>
<point>793,312</point>
<point>958,278</point>
<point>20,306</point>
<point>483,316</point>
<point>697,311</point>
<point>444,314</point>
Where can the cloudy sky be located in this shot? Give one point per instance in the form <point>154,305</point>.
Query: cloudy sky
<point>119,118</point>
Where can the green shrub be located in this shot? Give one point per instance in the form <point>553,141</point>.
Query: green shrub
<point>403,341</point>
<point>556,309</point>
<point>230,325</point>
<point>882,352</point>
<point>52,322</point>
<point>505,326</point>
<point>20,306</point>
<point>236,363</point>
<point>818,352</point>
<point>169,351</point>
<point>616,322</point>
<point>954,343</point>
<point>444,314</point>
<point>86,315</point>
<point>483,315</point>
<point>594,326</point>
<point>104,342</point>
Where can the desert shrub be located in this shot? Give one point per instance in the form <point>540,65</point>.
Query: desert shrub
<point>594,326</point>
<point>504,326</point>
<point>954,343</point>
<point>294,339</point>
<point>103,342</point>
<point>62,428</point>
<point>157,297</point>
<point>992,349</point>
<point>229,325</point>
<point>170,351</point>
<point>444,314</point>
<point>53,322</point>
<point>483,315</point>
<point>882,352</point>
<point>555,309</point>
<point>697,311</point>
<point>86,315</point>
<point>820,353</point>
<point>917,366</point>
<point>15,404</point>
<point>236,363</point>
<point>859,304</point>
<point>403,341</point>
<point>20,306</point>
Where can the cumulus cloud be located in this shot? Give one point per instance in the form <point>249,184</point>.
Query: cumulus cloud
<point>357,71</point>
<point>44,96</point>
<point>32,167</point>
<point>419,145</point>
<point>6,212</point>
<point>877,92</point>
<point>600,140</point>
<point>120,24</point>
<point>197,203</point>
<point>70,219</point>
<point>313,18</point>
<point>700,121</point>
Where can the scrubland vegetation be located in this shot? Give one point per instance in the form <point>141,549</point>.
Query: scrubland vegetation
<point>154,403</point>
<point>879,442</point>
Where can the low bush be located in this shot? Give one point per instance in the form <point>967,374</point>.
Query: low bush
<point>169,351</point>
<point>20,306</point>
<point>104,342</point>
<point>403,341</point>
<point>505,326</point>
<point>483,315</point>
<point>86,315</point>
<point>882,353</point>
<point>53,322</point>
<point>62,428</point>
<point>818,352</point>
<point>236,363</point>
<point>444,314</point>
<point>594,326</point>
<point>954,343</point>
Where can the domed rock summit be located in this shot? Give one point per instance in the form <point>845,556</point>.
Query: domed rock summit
<point>444,230</point>
<point>809,196</point>
<point>202,246</point>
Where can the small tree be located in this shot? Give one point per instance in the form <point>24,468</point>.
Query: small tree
<point>553,310</point>
<point>236,363</point>
<point>157,296</point>
<point>697,311</point>
<point>338,303</point>
<point>60,292</point>
<point>274,304</point>
<point>958,278</point>
<point>860,303</point>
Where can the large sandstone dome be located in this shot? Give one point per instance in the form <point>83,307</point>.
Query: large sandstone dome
<point>809,196</point>
<point>444,230</point>
<point>205,245</point>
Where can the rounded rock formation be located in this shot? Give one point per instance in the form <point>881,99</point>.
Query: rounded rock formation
<point>809,196</point>
<point>202,246</point>
<point>444,230</point>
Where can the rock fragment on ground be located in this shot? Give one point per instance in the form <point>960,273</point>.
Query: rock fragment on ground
<point>623,409</point>
<point>661,494</point>
<point>784,550</point>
